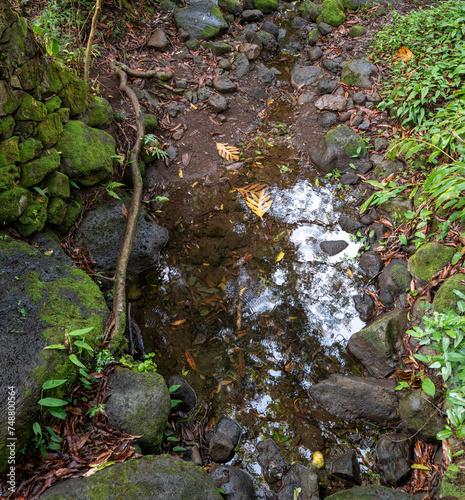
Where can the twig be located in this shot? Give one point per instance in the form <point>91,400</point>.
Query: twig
<point>98,8</point>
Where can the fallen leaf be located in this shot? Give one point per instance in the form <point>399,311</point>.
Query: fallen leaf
<point>191,361</point>
<point>186,159</point>
<point>404,54</point>
<point>280,256</point>
<point>179,322</point>
<point>180,173</point>
<point>349,272</point>
<point>227,152</point>
<point>124,210</point>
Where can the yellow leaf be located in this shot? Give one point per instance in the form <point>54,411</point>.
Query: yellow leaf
<point>280,256</point>
<point>256,198</point>
<point>349,272</point>
<point>227,152</point>
<point>404,54</point>
<point>179,322</point>
<point>317,182</point>
<point>318,459</point>
<point>221,208</point>
<point>180,173</point>
<point>194,107</point>
<point>191,360</point>
<point>419,466</point>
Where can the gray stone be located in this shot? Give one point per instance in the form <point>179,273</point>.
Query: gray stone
<point>235,483</point>
<point>333,247</point>
<point>331,103</point>
<point>344,117</point>
<point>374,97</point>
<point>313,36</point>
<point>225,64</point>
<point>371,263</point>
<point>365,306</point>
<point>266,41</point>
<point>365,125</point>
<point>349,179</point>
<point>221,448</point>
<point>355,398</point>
<point>393,281</point>
<point>302,76</point>
<point>381,143</point>
<point>326,86</point>
<point>259,94</point>
<point>393,457</point>
<point>372,492</point>
<point>158,40</point>
<point>358,73</point>
<point>360,98</point>
<point>218,103</point>
<point>223,84</point>
<point>241,65</point>
<point>252,16</point>
<point>231,6</point>
<point>271,460</point>
<point>331,65</point>
<point>328,119</point>
<point>346,467</point>
<point>102,230</point>
<point>303,478</point>
<point>350,225</point>
<point>139,404</point>
<point>265,75</point>
<point>270,28</point>
<point>325,29</point>
<point>315,53</point>
<point>250,50</point>
<point>161,477</point>
<point>201,19</point>
<point>184,393</point>
<point>357,121</point>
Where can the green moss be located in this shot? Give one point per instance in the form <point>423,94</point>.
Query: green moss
<point>64,114</point>
<point>150,123</point>
<point>29,75</point>
<point>56,211</point>
<point>313,36</point>
<point>33,218</point>
<point>9,151</point>
<point>53,104</point>
<point>333,12</point>
<point>8,175</point>
<point>266,6</point>
<point>13,203</point>
<point>218,48</point>
<point>99,114</point>
<point>453,483</point>
<point>309,10</point>
<point>193,44</point>
<point>77,96</point>
<point>73,211</point>
<point>31,109</point>
<point>58,185</point>
<point>357,31</point>
<point>7,126</point>
<point>429,259</point>
<point>34,171</point>
<point>50,130</point>
<point>343,137</point>
<point>445,297</point>
<point>29,149</point>
<point>55,76</point>
<point>231,6</point>
<point>9,99</point>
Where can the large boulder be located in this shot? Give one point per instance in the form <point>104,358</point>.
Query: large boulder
<point>139,404</point>
<point>304,76</point>
<point>355,398</point>
<point>379,345</point>
<point>358,73</point>
<point>266,6</point>
<point>86,153</point>
<point>372,492</point>
<point>429,259</point>
<point>102,230</point>
<point>445,297</point>
<point>333,12</point>
<point>161,477</point>
<point>202,20</point>
<point>339,148</point>
<point>393,457</point>
<point>44,294</point>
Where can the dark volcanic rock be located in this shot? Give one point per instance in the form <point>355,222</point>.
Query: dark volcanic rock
<point>236,483</point>
<point>333,247</point>
<point>303,478</point>
<point>346,467</point>
<point>393,457</point>
<point>271,460</point>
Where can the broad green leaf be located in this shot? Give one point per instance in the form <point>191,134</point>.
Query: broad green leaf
<point>57,412</point>
<point>53,402</point>
<point>428,386</point>
<point>51,384</point>
<point>84,345</point>
<point>80,333</point>
<point>73,359</point>
<point>55,346</point>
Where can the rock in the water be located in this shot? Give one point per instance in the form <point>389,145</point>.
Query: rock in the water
<point>355,398</point>
<point>346,467</point>
<point>393,281</point>
<point>218,103</point>
<point>139,404</point>
<point>86,153</point>
<point>372,492</point>
<point>161,477</point>
<point>43,295</point>
<point>350,225</point>
<point>271,460</point>
<point>184,393</point>
<point>158,40</point>
<point>303,76</point>
<point>333,247</point>
<point>235,483</point>
<point>201,19</point>
<point>420,416</point>
<point>429,259</point>
<point>365,306</point>
<point>332,103</point>
<point>339,148</point>
<point>102,230</point>
<point>393,457</point>
<point>379,345</point>
<point>223,84</point>
<point>224,441</point>
<point>303,478</point>
<point>358,73</point>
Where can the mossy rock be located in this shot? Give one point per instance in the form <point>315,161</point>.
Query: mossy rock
<point>310,10</point>
<point>8,176</point>
<point>99,114</point>
<point>29,75</point>
<point>56,211</point>
<point>218,48</point>
<point>54,77</point>
<point>86,153</point>
<point>193,44</point>
<point>202,20</point>
<point>77,96</point>
<point>13,203</point>
<point>357,31</point>
<point>332,12</point>
<point>266,6</point>
<point>57,184</point>
<point>31,109</point>
<point>358,73</point>
<point>50,130</point>
<point>453,482</point>
<point>64,115</point>
<point>231,6</point>
<point>73,211</point>
<point>429,259</point>
<point>7,127</point>
<point>395,208</point>
<point>33,218</point>
<point>9,99</point>
<point>371,492</point>
<point>53,104</point>
<point>9,151</point>
<point>445,297</point>
<point>150,123</point>
<point>313,36</point>
<point>34,171</point>
<point>29,149</point>
<point>161,477</point>
<point>43,295</point>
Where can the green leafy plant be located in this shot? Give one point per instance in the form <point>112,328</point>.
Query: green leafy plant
<point>445,333</point>
<point>152,147</point>
<point>148,365</point>
<point>111,186</point>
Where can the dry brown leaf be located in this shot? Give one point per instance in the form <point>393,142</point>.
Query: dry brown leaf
<point>191,361</point>
<point>227,152</point>
<point>256,198</point>
<point>404,54</point>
